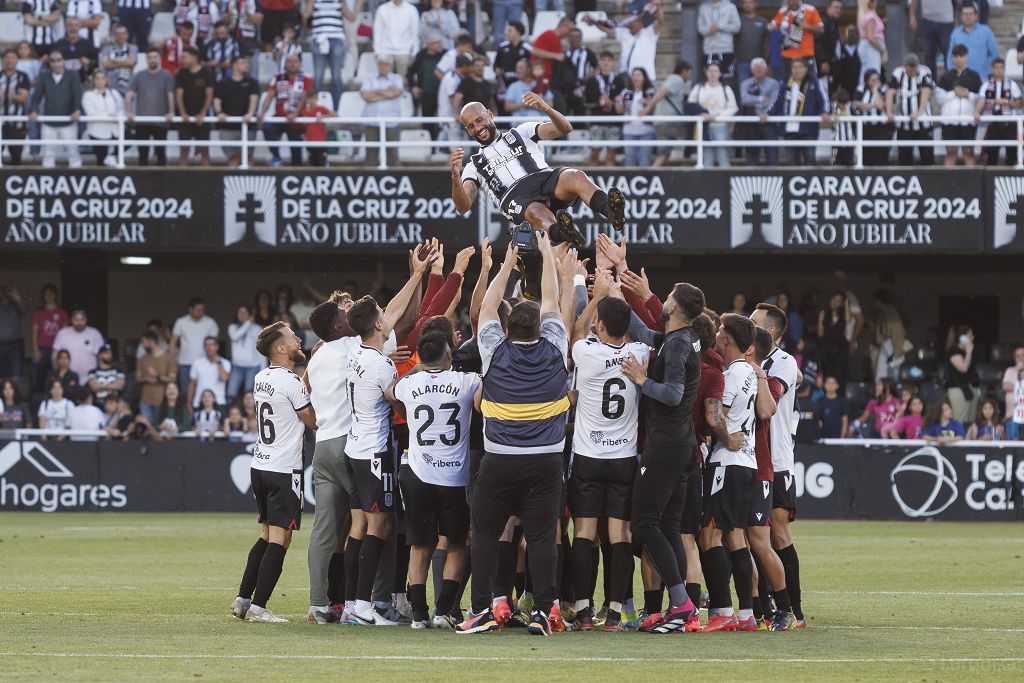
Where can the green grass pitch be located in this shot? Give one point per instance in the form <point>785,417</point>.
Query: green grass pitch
<point>141,597</point>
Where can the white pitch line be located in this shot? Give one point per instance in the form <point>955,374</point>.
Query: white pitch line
<point>983,629</point>
<point>462,658</point>
<point>973,594</point>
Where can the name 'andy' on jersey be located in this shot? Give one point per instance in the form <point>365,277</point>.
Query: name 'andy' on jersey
<point>607,407</point>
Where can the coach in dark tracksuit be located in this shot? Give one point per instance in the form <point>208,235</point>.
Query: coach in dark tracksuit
<point>669,387</point>
<point>525,398</point>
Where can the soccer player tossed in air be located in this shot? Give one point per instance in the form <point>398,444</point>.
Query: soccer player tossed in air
<point>433,476</point>
<point>510,166</point>
<point>284,411</point>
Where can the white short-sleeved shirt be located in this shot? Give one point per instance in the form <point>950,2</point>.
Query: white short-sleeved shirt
<point>57,413</point>
<point>327,373</point>
<point>86,417</point>
<point>739,397</point>
<point>439,407</point>
<point>511,156</point>
<point>280,395</point>
<point>607,408</point>
<point>205,372</point>
<point>83,347</point>
<point>370,372</point>
<point>191,335</point>
<point>638,50</point>
<point>783,367</point>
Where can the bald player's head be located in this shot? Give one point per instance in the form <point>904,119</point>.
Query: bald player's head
<point>479,123</point>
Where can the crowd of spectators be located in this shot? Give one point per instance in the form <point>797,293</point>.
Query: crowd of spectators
<point>194,376</point>
<point>804,60</point>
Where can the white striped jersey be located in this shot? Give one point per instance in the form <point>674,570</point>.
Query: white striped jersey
<point>866,96</point>
<point>327,20</point>
<point>783,367</point>
<point>280,395</point>
<point>608,402</point>
<point>40,9</point>
<point>135,4</point>
<point>439,407</point>
<point>739,397</point>
<point>908,95</point>
<point>370,372</point>
<point>85,9</point>
<point>509,158</point>
<point>843,129</point>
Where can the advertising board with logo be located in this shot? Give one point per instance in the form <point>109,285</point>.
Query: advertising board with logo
<point>711,211</point>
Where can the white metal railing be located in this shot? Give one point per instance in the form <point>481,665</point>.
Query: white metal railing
<point>22,434</point>
<point>250,125</point>
<point>867,443</point>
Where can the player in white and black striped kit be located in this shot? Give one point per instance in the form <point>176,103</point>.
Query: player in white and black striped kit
<point>783,367</point>
<point>604,449</point>
<point>910,93</point>
<point>511,168</point>
<point>283,410</point>
<point>433,475</point>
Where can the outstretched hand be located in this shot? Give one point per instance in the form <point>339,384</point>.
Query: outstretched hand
<point>635,371</point>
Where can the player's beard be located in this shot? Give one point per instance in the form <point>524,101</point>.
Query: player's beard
<point>298,357</point>
<point>492,133</point>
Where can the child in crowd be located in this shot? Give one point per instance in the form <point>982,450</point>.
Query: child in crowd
<point>288,45</point>
<point>908,425</point>
<point>315,132</point>
<point>208,418</point>
<point>842,128</point>
<point>234,423</point>
<point>541,85</point>
<point>832,419</point>
<point>885,408</point>
<point>987,426</point>
<point>940,427</point>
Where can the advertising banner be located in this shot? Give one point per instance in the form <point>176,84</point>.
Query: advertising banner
<point>899,482</point>
<point>712,211</point>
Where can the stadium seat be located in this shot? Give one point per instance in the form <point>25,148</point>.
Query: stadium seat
<point>573,154</point>
<point>12,28</point>
<point>348,73</point>
<point>365,19</point>
<point>990,374</point>
<point>591,34</point>
<point>367,66</point>
<point>858,394</point>
<point>930,392</point>
<point>103,30</point>
<point>408,106</point>
<point>347,154</point>
<point>415,148</point>
<point>351,106</point>
<point>307,62</point>
<point>1014,71</point>
<point>545,21</point>
<point>162,26</point>
<point>268,67</point>
<point>325,99</point>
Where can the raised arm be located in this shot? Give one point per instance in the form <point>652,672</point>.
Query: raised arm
<point>557,127</point>
<point>463,191</point>
<point>549,301</point>
<point>396,308</point>
<point>496,290</point>
<point>602,283</point>
<point>480,288</point>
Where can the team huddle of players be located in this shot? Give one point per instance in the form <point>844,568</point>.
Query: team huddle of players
<point>675,429</point>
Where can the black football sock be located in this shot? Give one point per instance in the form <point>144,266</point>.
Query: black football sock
<point>716,576</point>
<point>560,567</point>
<point>270,572</point>
<point>621,570</point>
<point>606,576</point>
<point>582,565</point>
<point>520,584</point>
<point>418,600</point>
<point>693,590</point>
<point>565,575</point>
<point>782,600</point>
<point>336,579</point>
<point>401,565</point>
<point>369,558</point>
<point>466,574</point>
<point>446,598</point>
<point>506,569</point>
<point>652,600</point>
<point>252,569</point>
<point>352,567</point>
<point>595,563</point>
<point>528,586</point>
<point>791,563</point>
<point>599,203</point>
<point>758,608</point>
<point>437,560</point>
<point>743,576</point>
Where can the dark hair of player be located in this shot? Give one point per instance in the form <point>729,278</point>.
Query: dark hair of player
<point>763,343</point>
<point>504,310</point>
<point>196,301</point>
<point>776,315</point>
<point>740,329</point>
<point>705,329</point>
<point>268,336</point>
<point>689,299</point>
<point>715,318</point>
<point>524,321</point>
<point>363,316</point>
<point>323,321</point>
<point>432,346</point>
<point>442,325</point>
<point>615,314</point>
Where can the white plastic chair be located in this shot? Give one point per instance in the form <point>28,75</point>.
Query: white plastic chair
<point>415,147</point>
